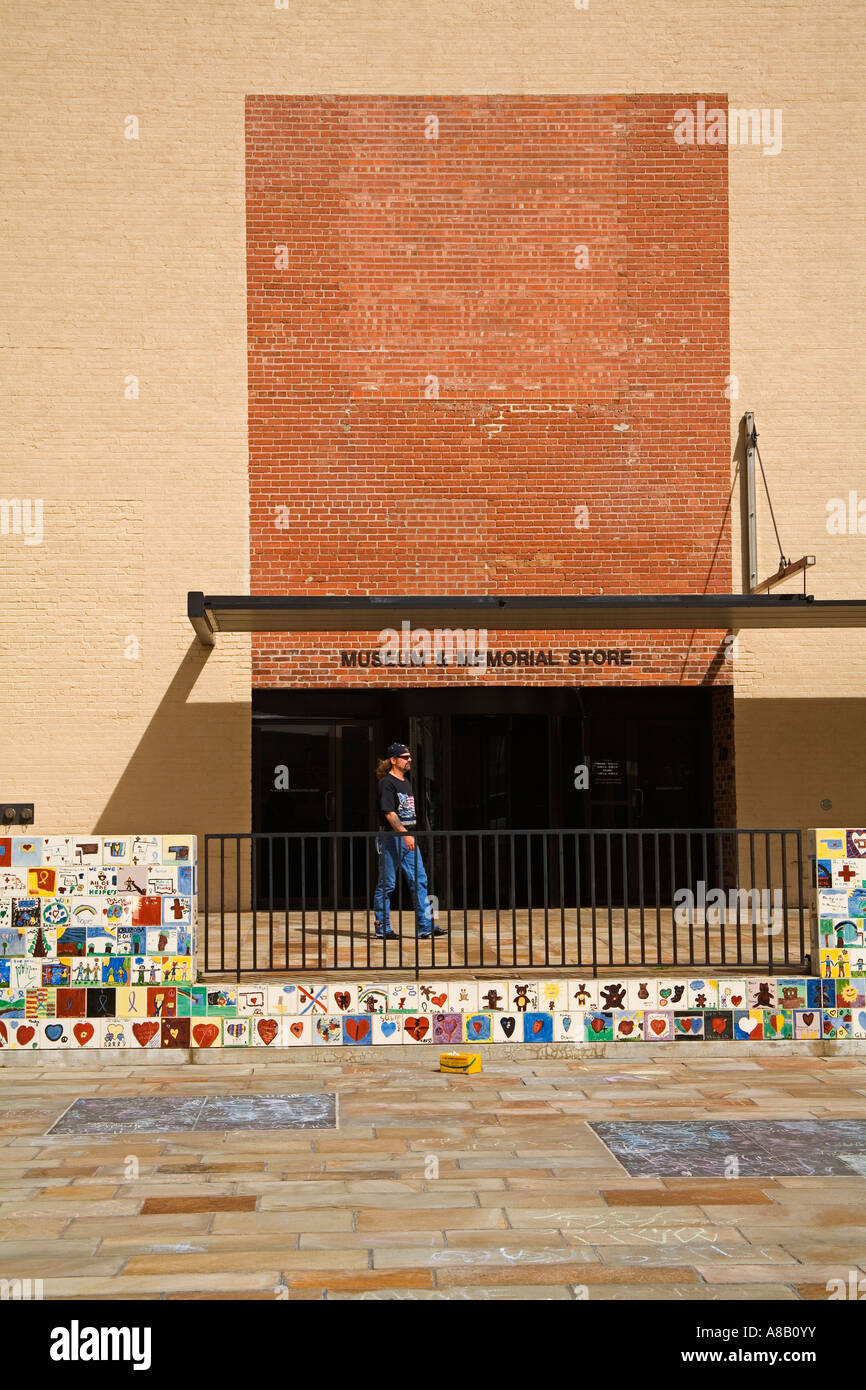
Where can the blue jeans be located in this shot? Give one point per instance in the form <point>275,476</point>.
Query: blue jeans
<point>393,855</point>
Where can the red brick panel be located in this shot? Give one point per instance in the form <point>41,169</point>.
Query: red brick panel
<point>415,265</point>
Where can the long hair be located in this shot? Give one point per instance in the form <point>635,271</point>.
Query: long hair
<point>382,766</point>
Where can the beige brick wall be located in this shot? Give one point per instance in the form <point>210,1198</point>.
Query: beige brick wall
<point>127,258</point>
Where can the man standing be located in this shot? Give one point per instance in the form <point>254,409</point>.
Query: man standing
<point>398,849</point>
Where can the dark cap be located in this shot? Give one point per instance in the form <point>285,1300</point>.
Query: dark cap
<point>399,750</point>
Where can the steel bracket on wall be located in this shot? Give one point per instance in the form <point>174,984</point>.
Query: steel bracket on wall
<point>750,527</point>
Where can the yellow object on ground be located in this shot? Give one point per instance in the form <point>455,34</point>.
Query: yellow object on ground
<point>463,1062</point>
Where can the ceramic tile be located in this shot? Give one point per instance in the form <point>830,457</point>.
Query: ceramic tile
<point>161,941</point>
<point>719,1025</point>
<point>116,1033</point>
<point>628,1026</point>
<point>101,883</point>
<point>642,994</point>
<point>688,1025</point>
<point>177,969</point>
<point>298,1032</point>
<point>404,998</point>
<point>477,1027</point>
<point>832,902</point>
<point>433,998</point>
<point>27,851</point>
<point>70,1003</point>
<point>703,994</point>
<point>86,851</point>
<point>267,1031</point>
<point>673,993</point>
<point>448,1028</point>
<point>25,973</point>
<point>146,1032</point>
<point>791,993</point>
<point>552,995</point>
<point>658,1027</point>
<point>327,1028</point>
<point>357,1030</point>
<point>858,1023</point>
<point>833,964</point>
<point>132,883</point>
<point>86,1032</point>
<point>13,941</point>
<point>145,849</point>
<point>537,1027</point>
<point>206,1033</point>
<point>116,849</point>
<point>58,850</point>
<point>282,999</point>
<point>42,883</point>
<point>251,1002</point>
<point>523,996</point>
<point>748,1024</point>
<point>463,996</point>
<point>372,999</point>
<point>416,1028</point>
<point>386,1029</point>
<point>837,1023</point>
<point>762,993</point>
<point>55,1034</point>
<point>848,874</point>
<point>851,993</point>
<point>568,1027</point>
<point>598,1026</point>
<point>507,1027</point>
<point>612,995</point>
<point>236,1032</point>
<point>176,910</point>
<point>342,999</point>
<point>178,849</point>
<point>12,1003</point>
<point>855,844</point>
<point>807,1023</point>
<point>493,996</point>
<point>829,843</point>
<point>312,998</point>
<point>23,1033</point>
<point>131,1002</point>
<point>39,1003</point>
<point>13,881</point>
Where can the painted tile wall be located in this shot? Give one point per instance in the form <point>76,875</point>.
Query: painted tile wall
<point>97,950</point>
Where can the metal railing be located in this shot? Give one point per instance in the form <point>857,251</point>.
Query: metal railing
<point>509,900</point>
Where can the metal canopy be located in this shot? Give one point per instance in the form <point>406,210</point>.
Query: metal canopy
<point>320,613</point>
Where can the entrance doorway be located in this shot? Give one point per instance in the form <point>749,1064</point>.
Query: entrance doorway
<point>489,759</point>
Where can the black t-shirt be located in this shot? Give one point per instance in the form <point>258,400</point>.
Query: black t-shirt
<point>398,796</point>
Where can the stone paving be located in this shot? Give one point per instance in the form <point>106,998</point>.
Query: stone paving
<point>490,1186</point>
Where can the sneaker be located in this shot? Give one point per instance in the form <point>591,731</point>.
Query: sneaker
<point>388,935</point>
<point>438,931</point>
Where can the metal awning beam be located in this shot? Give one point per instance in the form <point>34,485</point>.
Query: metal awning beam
<point>560,613</point>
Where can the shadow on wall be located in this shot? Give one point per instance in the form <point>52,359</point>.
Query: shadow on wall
<point>191,771</point>
<point>792,754</point>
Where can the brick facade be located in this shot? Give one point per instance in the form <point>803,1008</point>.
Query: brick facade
<point>437,382</point>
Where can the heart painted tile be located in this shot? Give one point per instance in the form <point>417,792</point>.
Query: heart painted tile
<point>236,1032</point>
<point>688,1025</point>
<point>858,1023</point>
<point>836,1024</point>
<point>358,1030</point>
<point>24,1033</point>
<point>342,999</point>
<point>206,1033</point>
<point>267,1031</point>
<point>417,1028</point>
<point>598,1027</point>
<point>628,1026</point>
<point>56,1034</point>
<point>748,1025</point>
<point>568,1026</point>
<point>807,1023</point>
<point>115,1033</point>
<point>537,1027</point>
<point>298,1032</point>
<point>175,1032</point>
<point>477,1027</point>
<point>658,1027</point>
<point>673,994</point>
<point>719,1025</point>
<point>387,1030</point>
<point>447,1028</point>
<point>506,1028</point>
